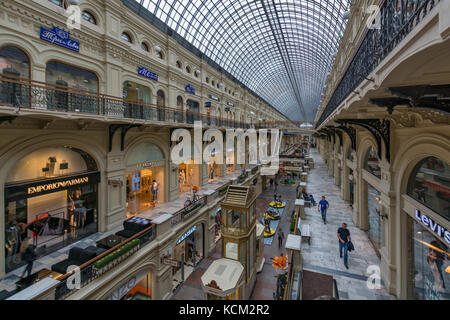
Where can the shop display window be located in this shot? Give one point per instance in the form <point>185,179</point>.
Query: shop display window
<point>430,185</point>
<point>371,163</point>
<point>430,276</point>
<point>51,201</point>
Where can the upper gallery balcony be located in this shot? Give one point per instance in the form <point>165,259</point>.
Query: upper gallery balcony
<point>26,97</point>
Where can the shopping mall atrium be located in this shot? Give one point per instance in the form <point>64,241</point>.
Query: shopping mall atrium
<point>225,150</point>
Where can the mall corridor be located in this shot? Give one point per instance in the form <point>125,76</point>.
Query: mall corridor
<point>322,255</point>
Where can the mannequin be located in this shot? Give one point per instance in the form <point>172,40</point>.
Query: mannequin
<point>181,179</point>
<point>155,187</point>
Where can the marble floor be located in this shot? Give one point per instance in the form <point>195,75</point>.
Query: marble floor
<point>320,256</point>
<point>323,254</point>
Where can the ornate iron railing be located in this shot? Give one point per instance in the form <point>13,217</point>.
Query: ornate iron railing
<point>397,19</point>
<point>33,95</point>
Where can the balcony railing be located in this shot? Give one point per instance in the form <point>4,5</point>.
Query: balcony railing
<point>89,271</point>
<point>398,19</point>
<point>28,94</point>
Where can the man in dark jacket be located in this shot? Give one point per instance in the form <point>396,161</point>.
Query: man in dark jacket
<point>29,255</point>
<point>343,235</point>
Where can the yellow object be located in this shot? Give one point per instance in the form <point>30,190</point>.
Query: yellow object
<point>272,217</point>
<point>277,205</point>
<point>269,233</point>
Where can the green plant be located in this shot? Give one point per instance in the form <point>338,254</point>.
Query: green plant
<point>116,253</point>
<point>293,224</point>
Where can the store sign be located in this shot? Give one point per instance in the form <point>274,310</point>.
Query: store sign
<point>187,234</point>
<point>58,185</point>
<point>208,104</point>
<point>433,225</point>
<point>150,164</point>
<point>171,262</point>
<point>147,73</point>
<point>17,191</point>
<point>60,38</point>
<point>189,89</point>
<point>230,104</point>
<point>213,97</point>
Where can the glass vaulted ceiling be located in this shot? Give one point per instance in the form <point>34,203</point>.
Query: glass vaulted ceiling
<point>280,49</point>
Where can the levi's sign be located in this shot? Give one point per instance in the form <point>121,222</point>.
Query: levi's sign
<point>147,73</point>
<point>60,38</point>
<point>434,226</point>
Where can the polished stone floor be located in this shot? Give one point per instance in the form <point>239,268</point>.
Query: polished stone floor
<point>320,256</point>
<point>323,255</point>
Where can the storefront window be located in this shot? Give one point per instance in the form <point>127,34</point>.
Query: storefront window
<point>138,98</point>
<point>180,109</point>
<point>193,108</point>
<point>145,178</point>
<point>430,185</point>
<point>372,163</point>
<point>50,201</point>
<point>188,252</point>
<point>142,290</point>
<point>68,76</point>
<point>14,64</point>
<point>374,210</point>
<point>430,276</point>
<point>161,103</point>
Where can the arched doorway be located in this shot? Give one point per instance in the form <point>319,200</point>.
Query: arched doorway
<point>51,201</point>
<point>14,66</point>
<point>426,217</point>
<point>189,250</point>
<point>161,104</point>
<point>372,202</point>
<point>180,109</point>
<point>146,175</point>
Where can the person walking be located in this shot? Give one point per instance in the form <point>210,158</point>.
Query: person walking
<point>271,183</point>
<point>280,238</point>
<point>29,255</point>
<point>344,237</point>
<point>276,185</point>
<point>322,208</point>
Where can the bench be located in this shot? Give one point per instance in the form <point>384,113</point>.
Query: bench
<point>304,229</point>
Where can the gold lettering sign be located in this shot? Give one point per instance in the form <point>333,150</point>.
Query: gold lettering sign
<point>57,185</point>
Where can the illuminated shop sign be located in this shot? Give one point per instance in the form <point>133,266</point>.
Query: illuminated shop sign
<point>150,164</point>
<point>230,104</point>
<point>24,190</point>
<point>147,73</point>
<point>213,97</point>
<point>189,89</point>
<point>60,38</point>
<point>187,234</point>
<point>208,104</point>
<point>57,185</point>
<point>434,226</point>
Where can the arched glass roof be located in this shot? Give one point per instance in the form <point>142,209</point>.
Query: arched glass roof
<point>280,49</point>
